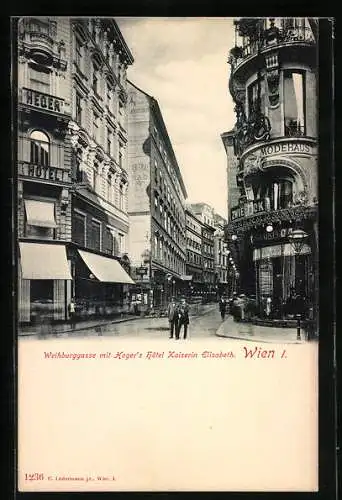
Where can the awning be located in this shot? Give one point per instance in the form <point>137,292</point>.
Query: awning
<point>40,213</point>
<point>105,269</point>
<point>41,261</point>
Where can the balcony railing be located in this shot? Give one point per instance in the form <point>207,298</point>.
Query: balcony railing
<point>248,218</point>
<point>294,129</point>
<point>270,38</point>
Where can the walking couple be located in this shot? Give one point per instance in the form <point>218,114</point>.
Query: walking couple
<point>178,314</point>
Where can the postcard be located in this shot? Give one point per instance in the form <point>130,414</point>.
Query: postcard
<point>168,253</point>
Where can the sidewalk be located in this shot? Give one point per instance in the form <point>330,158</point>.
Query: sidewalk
<point>195,310</point>
<point>247,331</point>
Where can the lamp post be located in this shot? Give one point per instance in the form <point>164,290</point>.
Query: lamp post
<point>297,239</point>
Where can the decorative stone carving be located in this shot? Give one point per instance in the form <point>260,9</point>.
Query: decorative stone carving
<point>273,76</point>
<point>73,129</point>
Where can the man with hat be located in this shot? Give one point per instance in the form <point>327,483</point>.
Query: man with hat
<point>183,315</point>
<point>172,313</point>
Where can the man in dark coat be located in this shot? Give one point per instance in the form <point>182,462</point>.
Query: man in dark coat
<point>222,307</point>
<point>172,312</point>
<point>183,315</point>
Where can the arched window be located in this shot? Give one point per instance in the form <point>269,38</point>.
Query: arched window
<point>40,148</point>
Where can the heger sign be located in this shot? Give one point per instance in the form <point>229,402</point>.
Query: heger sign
<point>43,101</point>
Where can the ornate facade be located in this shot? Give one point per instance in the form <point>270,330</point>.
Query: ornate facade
<point>272,153</point>
<point>72,179</point>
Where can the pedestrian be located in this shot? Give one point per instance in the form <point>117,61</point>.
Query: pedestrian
<point>222,307</point>
<point>172,312</point>
<point>268,306</point>
<point>72,314</point>
<point>183,318</point>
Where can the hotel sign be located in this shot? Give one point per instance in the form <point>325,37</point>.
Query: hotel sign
<point>42,101</point>
<point>43,172</point>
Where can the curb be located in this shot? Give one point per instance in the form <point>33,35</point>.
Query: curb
<point>258,339</point>
<point>85,327</point>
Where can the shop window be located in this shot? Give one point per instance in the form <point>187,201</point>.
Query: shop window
<point>94,239</point>
<point>40,148</point>
<point>41,298</point>
<point>294,103</point>
<point>79,229</point>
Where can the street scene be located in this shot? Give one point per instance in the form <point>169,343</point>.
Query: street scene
<point>160,197</point>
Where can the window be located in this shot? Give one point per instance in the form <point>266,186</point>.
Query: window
<point>121,112</point>
<point>94,240</point>
<point>294,99</point>
<point>95,81</point>
<point>156,247</point>
<point>40,79</point>
<point>121,198</point>
<point>109,141</point>
<point>108,242</point>
<point>40,148</point>
<point>121,153</point>
<point>78,54</point>
<point>279,194</point>
<point>79,173</point>
<point>78,108</point>
<point>109,187</point>
<point>96,123</point>
<point>93,179</point>
<point>109,96</point>
<point>79,229</point>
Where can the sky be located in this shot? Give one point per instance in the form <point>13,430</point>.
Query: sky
<point>182,63</point>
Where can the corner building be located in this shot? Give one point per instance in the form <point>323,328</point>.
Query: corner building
<point>156,203</point>
<point>272,153</point>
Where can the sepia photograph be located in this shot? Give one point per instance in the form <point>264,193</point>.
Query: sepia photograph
<point>167,253</point>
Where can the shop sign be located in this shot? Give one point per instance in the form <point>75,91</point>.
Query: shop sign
<point>276,234</point>
<point>286,147</point>
<point>249,208</point>
<point>43,101</point>
<point>43,172</point>
<point>141,270</point>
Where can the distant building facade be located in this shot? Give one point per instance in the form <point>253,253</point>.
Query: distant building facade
<point>156,203</point>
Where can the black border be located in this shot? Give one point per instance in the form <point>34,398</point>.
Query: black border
<point>327,382</point>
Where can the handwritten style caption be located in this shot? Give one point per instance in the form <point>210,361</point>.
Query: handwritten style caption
<point>245,352</point>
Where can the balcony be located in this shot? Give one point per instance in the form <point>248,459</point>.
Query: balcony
<point>41,161</point>
<point>257,39</point>
<point>39,42</point>
<point>260,212</point>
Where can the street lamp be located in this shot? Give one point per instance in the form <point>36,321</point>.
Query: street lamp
<point>297,238</point>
